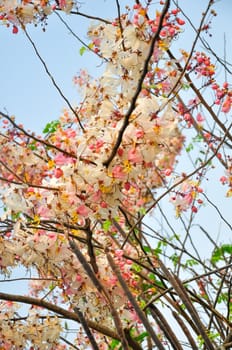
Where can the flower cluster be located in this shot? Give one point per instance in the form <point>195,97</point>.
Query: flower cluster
<point>37,332</point>
<point>202,65</point>
<point>227,178</point>
<point>186,195</point>
<point>22,12</point>
<point>223,96</point>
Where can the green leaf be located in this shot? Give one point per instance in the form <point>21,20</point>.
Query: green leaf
<point>51,127</point>
<point>189,148</point>
<point>185,86</point>
<point>82,50</point>
<point>151,276</point>
<point>15,216</point>
<point>46,129</point>
<point>52,287</point>
<point>198,138</point>
<point>141,336</point>
<point>219,253</point>
<point>157,251</point>
<point>198,160</point>
<point>191,262</point>
<point>136,267</point>
<point>142,211</point>
<point>175,259</point>
<point>214,336</point>
<point>114,344</point>
<point>32,145</point>
<point>223,297</point>
<point>147,249</point>
<point>159,284</point>
<point>106,225</point>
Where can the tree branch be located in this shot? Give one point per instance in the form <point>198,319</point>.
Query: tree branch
<point>125,124</point>
<point>51,77</point>
<point>60,311</point>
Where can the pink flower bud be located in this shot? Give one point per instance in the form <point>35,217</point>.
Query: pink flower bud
<point>58,173</point>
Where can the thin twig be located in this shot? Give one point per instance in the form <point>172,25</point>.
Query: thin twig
<point>120,24</point>
<point>78,38</point>
<point>218,211</point>
<point>185,330</point>
<point>89,16</point>
<point>51,77</point>
<point>158,296</point>
<point>205,43</point>
<point>69,343</point>
<point>199,95</point>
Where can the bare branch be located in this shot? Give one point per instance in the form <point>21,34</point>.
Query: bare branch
<point>130,297</point>
<point>86,328</point>
<point>51,77</point>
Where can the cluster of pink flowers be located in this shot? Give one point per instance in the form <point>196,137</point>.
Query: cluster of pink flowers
<point>187,196</point>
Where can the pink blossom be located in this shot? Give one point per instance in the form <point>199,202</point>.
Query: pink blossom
<point>118,172</point>
<point>43,211</point>
<point>200,118</point>
<point>96,196</point>
<point>188,198</point>
<point>83,210</point>
<point>62,3</point>
<point>113,280</point>
<point>127,186</point>
<point>120,152</point>
<point>134,156</point>
<point>227,105</point>
<point>61,159</point>
<point>15,30</point>
<point>118,253</point>
<point>78,278</point>
<point>58,173</point>
<point>10,177</point>
<point>168,172</point>
<point>70,133</point>
<point>139,133</point>
<point>194,209</point>
<point>103,204</point>
<point>223,180</point>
